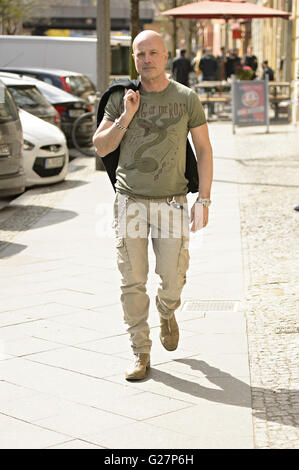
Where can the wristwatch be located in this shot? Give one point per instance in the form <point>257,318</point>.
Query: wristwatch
<point>204,201</point>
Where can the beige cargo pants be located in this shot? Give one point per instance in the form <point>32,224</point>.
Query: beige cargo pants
<point>167,224</point>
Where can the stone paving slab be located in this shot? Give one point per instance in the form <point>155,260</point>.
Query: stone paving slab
<point>201,419</point>
<point>75,444</point>
<point>16,434</point>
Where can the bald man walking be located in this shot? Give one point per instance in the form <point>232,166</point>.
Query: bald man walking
<point>151,126</point>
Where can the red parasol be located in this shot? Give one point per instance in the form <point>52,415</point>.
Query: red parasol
<point>225,9</point>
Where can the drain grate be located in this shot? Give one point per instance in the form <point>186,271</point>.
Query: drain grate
<point>284,330</point>
<point>210,305</point>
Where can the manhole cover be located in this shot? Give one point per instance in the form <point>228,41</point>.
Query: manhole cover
<point>210,305</point>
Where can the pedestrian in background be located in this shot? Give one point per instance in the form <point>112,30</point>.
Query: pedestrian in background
<point>229,66</point>
<point>267,71</point>
<point>151,126</point>
<point>251,60</point>
<point>236,59</point>
<point>195,63</point>
<point>181,67</point>
<point>209,66</point>
<point>221,70</point>
<point>233,62</point>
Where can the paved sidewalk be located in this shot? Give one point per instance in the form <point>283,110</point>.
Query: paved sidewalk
<point>64,348</point>
<point>268,192</point>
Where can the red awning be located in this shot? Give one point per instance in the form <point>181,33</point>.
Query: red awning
<point>225,9</point>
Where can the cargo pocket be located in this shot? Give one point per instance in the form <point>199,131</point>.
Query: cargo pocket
<point>183,261</point>
<point>123,260</point>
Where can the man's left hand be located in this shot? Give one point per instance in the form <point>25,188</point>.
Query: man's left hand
<point>199,216</point>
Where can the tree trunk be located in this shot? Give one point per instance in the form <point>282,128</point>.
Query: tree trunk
<point>134,32</point>
<point>103,45</point>
<point>174,30</point>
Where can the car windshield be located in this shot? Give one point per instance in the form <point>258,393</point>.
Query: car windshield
<point>80,84</point>
<point>29,98</point>
<point>8,110</point>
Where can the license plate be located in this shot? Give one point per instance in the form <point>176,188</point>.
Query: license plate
<point>4,149</point>
<point>54,162</point>
<point>75,112</point>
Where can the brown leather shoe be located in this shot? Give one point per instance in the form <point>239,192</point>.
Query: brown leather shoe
<point>169,333</point>
<point>140,368</point>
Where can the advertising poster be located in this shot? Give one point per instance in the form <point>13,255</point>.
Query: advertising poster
<point>250,103</point>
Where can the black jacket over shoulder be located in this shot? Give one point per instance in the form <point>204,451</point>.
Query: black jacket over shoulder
<point>110,161</point>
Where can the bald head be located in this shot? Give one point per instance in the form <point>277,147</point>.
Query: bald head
<point>150,57</point>
<point>149,37</point>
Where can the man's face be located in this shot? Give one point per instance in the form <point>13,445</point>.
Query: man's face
<point>150,58</point>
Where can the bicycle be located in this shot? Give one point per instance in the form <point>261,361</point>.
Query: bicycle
<point>79,122</point>
<point>89,151</point>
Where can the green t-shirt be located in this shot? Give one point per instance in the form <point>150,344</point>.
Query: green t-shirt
<point>152,159</point>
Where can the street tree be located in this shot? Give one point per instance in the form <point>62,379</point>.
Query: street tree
<point>134,31</point>
<point>14,12</point>
<point>188,26</point>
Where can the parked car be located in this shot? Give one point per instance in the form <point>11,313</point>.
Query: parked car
<point>73,82</point>
<point>28,97</point>
<point>69,107</point>
<point>46,154</point>
<point>12,176</point>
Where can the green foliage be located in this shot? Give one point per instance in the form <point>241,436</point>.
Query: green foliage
<point>13,12</point>
<point>244,73</point>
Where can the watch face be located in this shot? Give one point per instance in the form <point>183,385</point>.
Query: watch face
<point>204,200</point>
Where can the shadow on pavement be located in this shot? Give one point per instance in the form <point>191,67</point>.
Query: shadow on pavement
<point>61,186</point>
<point>24,217</point>
<point>11,249</point>
<point>233,391</point>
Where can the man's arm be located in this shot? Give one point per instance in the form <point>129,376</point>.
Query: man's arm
<point>200,137</point>
<point>108,136</point>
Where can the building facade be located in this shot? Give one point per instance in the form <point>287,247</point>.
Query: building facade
<point>295,62</point>
<point>80,15</point>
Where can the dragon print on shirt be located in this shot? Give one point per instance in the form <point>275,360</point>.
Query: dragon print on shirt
<point>162,148</point>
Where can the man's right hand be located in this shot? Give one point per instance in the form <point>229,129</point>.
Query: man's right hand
<point>107,136</point>
<point>131,102</point>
